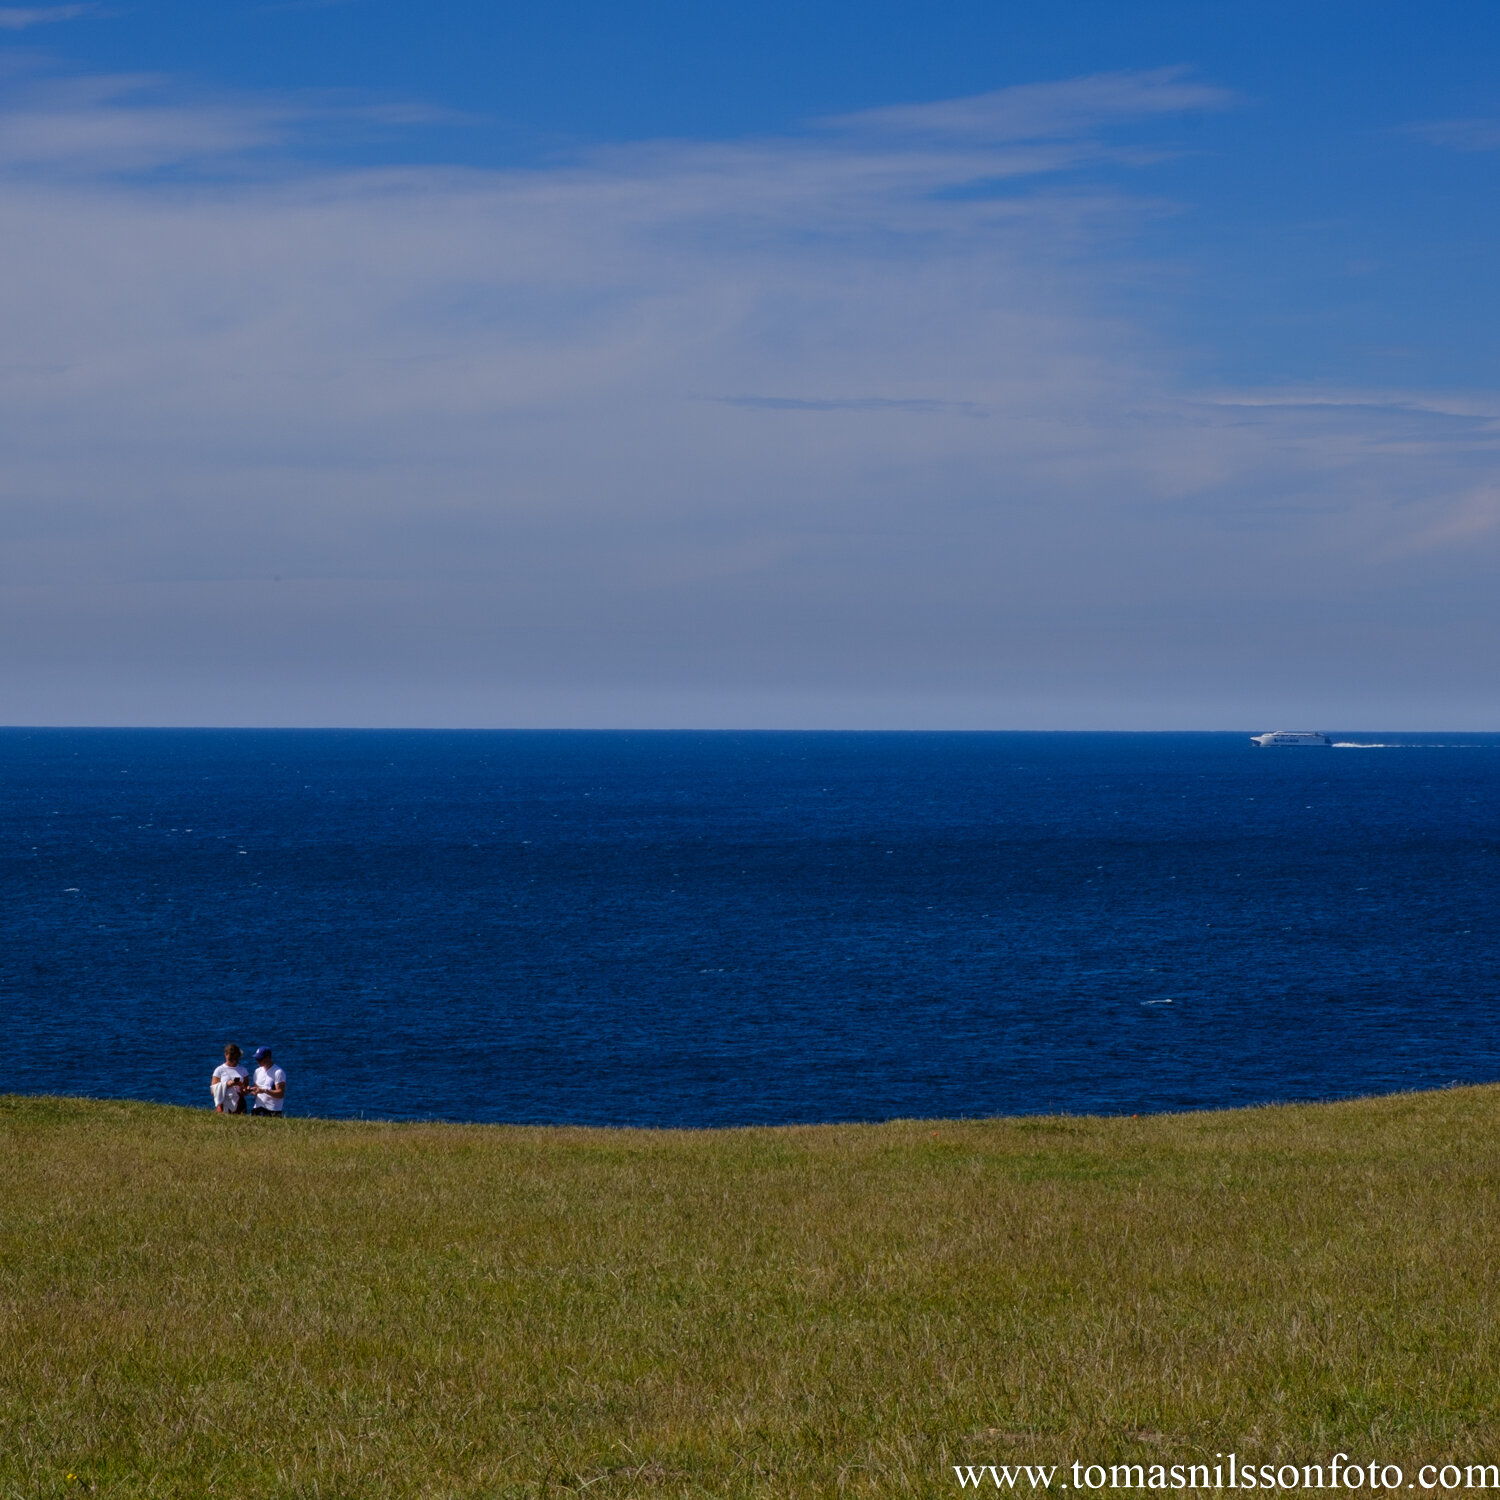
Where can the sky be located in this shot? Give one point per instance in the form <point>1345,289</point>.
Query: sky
<point>729,365</point>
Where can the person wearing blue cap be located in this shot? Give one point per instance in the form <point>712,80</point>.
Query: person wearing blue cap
<point>269,1087</point>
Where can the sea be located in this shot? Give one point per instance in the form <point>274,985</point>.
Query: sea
<point>720,929</point>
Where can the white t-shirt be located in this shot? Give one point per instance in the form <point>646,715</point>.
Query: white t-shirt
<point>229,1079</point>
<point>267,1079</point>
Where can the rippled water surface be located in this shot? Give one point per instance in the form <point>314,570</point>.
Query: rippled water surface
<point>713,929</point>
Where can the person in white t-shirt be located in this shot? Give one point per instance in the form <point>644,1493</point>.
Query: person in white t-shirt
<point>269,1087</point>
<point>228,1083</point>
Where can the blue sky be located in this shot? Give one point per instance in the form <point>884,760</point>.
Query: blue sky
<point>958,365</point>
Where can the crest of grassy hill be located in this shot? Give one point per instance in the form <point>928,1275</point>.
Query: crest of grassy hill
<point>196,1305</point>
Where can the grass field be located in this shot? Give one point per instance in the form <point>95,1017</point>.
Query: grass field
<point>196,1305</point>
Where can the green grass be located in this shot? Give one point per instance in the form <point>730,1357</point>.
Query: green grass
<point>194,1305</point>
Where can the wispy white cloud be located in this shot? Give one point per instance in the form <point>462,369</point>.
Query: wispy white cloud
<point>22,18</point>
<point>1480,134</point>
<point>788,424</point>
<point>1042,111</point>
<point>122,123</point>
<point>1467,518</point>
<point>857,403</point>
<point>135,123</point>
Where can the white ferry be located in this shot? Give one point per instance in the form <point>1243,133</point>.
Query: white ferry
<point>1290,737</point>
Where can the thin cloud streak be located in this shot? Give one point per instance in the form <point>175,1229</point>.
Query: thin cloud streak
<point>1457,135</point>
<point>132,124</point>
<point>858,403</point>
<point>23,18</point>
<point>1041,111</point>
<point>677,433</point>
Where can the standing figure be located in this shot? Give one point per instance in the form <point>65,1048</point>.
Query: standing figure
<point>228,1083</point>
<point>269,1087</point>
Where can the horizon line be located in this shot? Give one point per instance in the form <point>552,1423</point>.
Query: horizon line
<point>652,729</point>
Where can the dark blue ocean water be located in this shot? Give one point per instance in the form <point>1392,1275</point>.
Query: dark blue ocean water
<point>714,929</point>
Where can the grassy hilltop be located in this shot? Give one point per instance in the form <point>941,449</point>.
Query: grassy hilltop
<point>192,1305</point>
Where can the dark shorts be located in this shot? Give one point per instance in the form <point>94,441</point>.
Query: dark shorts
<point>275,1114</point>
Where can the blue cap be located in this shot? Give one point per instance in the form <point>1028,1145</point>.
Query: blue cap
<point>261,1052</point>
